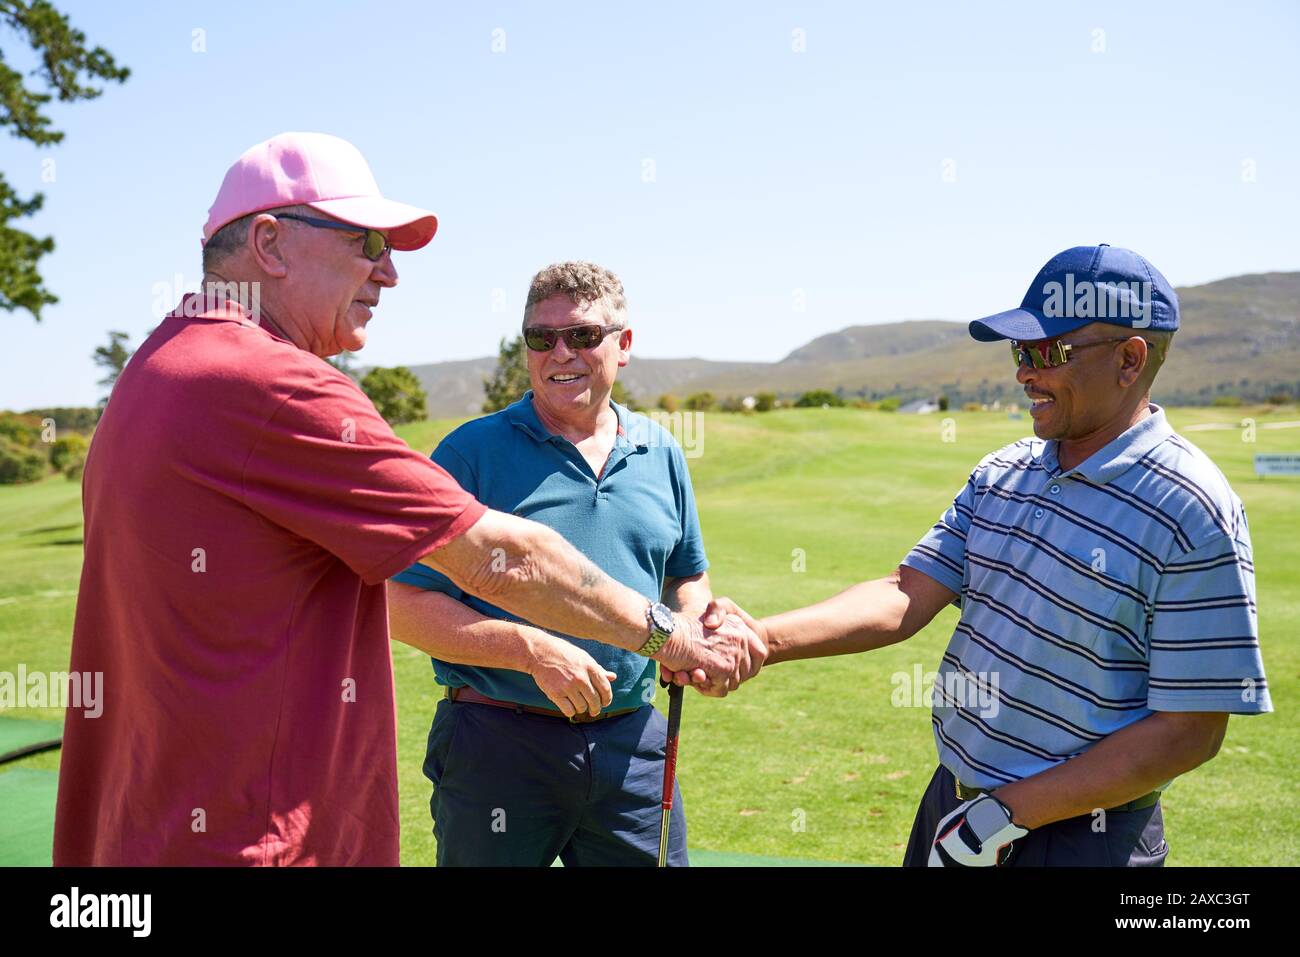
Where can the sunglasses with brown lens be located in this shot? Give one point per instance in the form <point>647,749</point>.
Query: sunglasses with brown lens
<point>1048,354</point>
<point>584,336</point>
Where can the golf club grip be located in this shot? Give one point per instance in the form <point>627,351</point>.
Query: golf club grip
<point>674,711</point>
<point>670,750</point>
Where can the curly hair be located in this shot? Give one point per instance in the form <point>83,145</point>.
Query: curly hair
<point>581,282</point>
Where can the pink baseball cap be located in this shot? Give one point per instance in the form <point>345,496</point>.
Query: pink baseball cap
<point>321,171</point>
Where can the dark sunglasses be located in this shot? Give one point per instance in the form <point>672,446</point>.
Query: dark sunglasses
<point>1049,355</point>
<point>373,248</point>
<point>585,336</point>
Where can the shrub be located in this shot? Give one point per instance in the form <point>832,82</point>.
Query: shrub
<point>668,402</point>
<point>889,405</point>
<point>19,464</point>
<point>764,402</point>
<point>23,430</point>
<point>396,394</point>
<point>1229,400</point>
<point>68,451</point>
<point>701,402</point>
<point>624,398</point>
<point>818,398</point>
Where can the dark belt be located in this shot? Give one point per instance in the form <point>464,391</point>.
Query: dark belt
<point>1137,804</point>
<point>468,695</point>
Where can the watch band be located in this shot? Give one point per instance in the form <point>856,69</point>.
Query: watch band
<point>658,636</point>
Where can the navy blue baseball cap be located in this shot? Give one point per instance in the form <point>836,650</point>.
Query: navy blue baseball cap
<point>1082,285</point>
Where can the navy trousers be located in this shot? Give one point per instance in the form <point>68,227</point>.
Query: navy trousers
<point>1119,839</point>
<point>513,789</point>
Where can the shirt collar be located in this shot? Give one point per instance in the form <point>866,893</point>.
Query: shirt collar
<point>1114,459</point>
<point>195,305</point>
<point>523,415</point>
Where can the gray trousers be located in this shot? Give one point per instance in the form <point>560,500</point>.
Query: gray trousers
<point>1119,839</point>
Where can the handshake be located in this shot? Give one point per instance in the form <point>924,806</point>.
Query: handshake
<point>714,653</point>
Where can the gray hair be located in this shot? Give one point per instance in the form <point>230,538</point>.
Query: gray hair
<point>581,282</point>
<point>230,238</point>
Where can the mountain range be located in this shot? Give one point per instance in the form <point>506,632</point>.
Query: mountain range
<point>1238,336</point>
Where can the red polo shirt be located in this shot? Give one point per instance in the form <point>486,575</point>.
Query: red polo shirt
<point>244,505</point>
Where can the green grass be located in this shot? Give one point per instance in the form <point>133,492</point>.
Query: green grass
<point>812,741</point>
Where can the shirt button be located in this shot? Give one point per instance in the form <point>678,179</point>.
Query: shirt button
<point>1038,513</point>
<point>1055,489</point>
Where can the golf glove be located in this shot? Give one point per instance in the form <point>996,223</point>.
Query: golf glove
<point>978,834</point>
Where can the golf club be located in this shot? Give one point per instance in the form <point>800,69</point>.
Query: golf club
<point>670,767</point>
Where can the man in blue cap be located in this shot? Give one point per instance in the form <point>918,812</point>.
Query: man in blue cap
<point>1103,571</point>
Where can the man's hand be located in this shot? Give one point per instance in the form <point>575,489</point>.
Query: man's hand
<point>979,833</point>
<point>570,677</point>
<point>719,624</point>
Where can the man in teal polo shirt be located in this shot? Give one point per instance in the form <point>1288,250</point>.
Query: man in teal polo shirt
<point>546,745</point>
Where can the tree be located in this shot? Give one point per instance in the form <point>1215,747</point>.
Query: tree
<point>818,398</point>
<point>396,394</point>
<point>112,358</point>
<point>764,402</point>
<point>509,380</point>
<point>668,402</point>
<point>19,464</point>
<point>345,363</point>
<point>68,454</point>
<point>701,402</point>
<point>624,398</point>
<point>63,58</point>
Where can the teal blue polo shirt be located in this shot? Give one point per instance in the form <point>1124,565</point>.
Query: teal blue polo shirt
<point>637,521</point>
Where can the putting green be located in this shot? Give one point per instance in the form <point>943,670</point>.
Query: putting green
<point>724,859</point>
<point>27,835</point>
<point>20,736</point>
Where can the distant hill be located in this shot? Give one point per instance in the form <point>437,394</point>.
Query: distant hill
<point>456,388</point>
<point>1239,336</point>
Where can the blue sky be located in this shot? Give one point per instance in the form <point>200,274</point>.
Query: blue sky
<point>913,161</point>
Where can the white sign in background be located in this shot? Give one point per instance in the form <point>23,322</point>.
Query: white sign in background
<point>1266,464</point>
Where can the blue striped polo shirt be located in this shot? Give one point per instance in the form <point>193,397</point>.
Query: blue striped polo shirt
<point>1089,600</point>
<point>637,521</point>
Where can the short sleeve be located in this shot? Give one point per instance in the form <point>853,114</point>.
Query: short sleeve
<point>941,553</point>
<point>327,467</point>
<point>688,557</point>
<point>422,576</point>
<point>1204,633</point>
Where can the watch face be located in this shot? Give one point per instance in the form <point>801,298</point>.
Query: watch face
<point>662,617</point>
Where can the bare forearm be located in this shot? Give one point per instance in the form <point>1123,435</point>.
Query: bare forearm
<point>869,615</point>
<point>446,629</point>
<point>1120,768</point>
<point>531,571</point>
<point>690,595</point>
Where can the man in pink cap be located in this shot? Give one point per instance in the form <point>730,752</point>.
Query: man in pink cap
<point>244,505</point>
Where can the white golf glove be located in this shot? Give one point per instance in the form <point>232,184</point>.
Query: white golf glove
<point>978,834</point>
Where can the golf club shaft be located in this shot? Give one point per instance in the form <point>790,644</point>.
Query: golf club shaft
<point>670,767</point>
